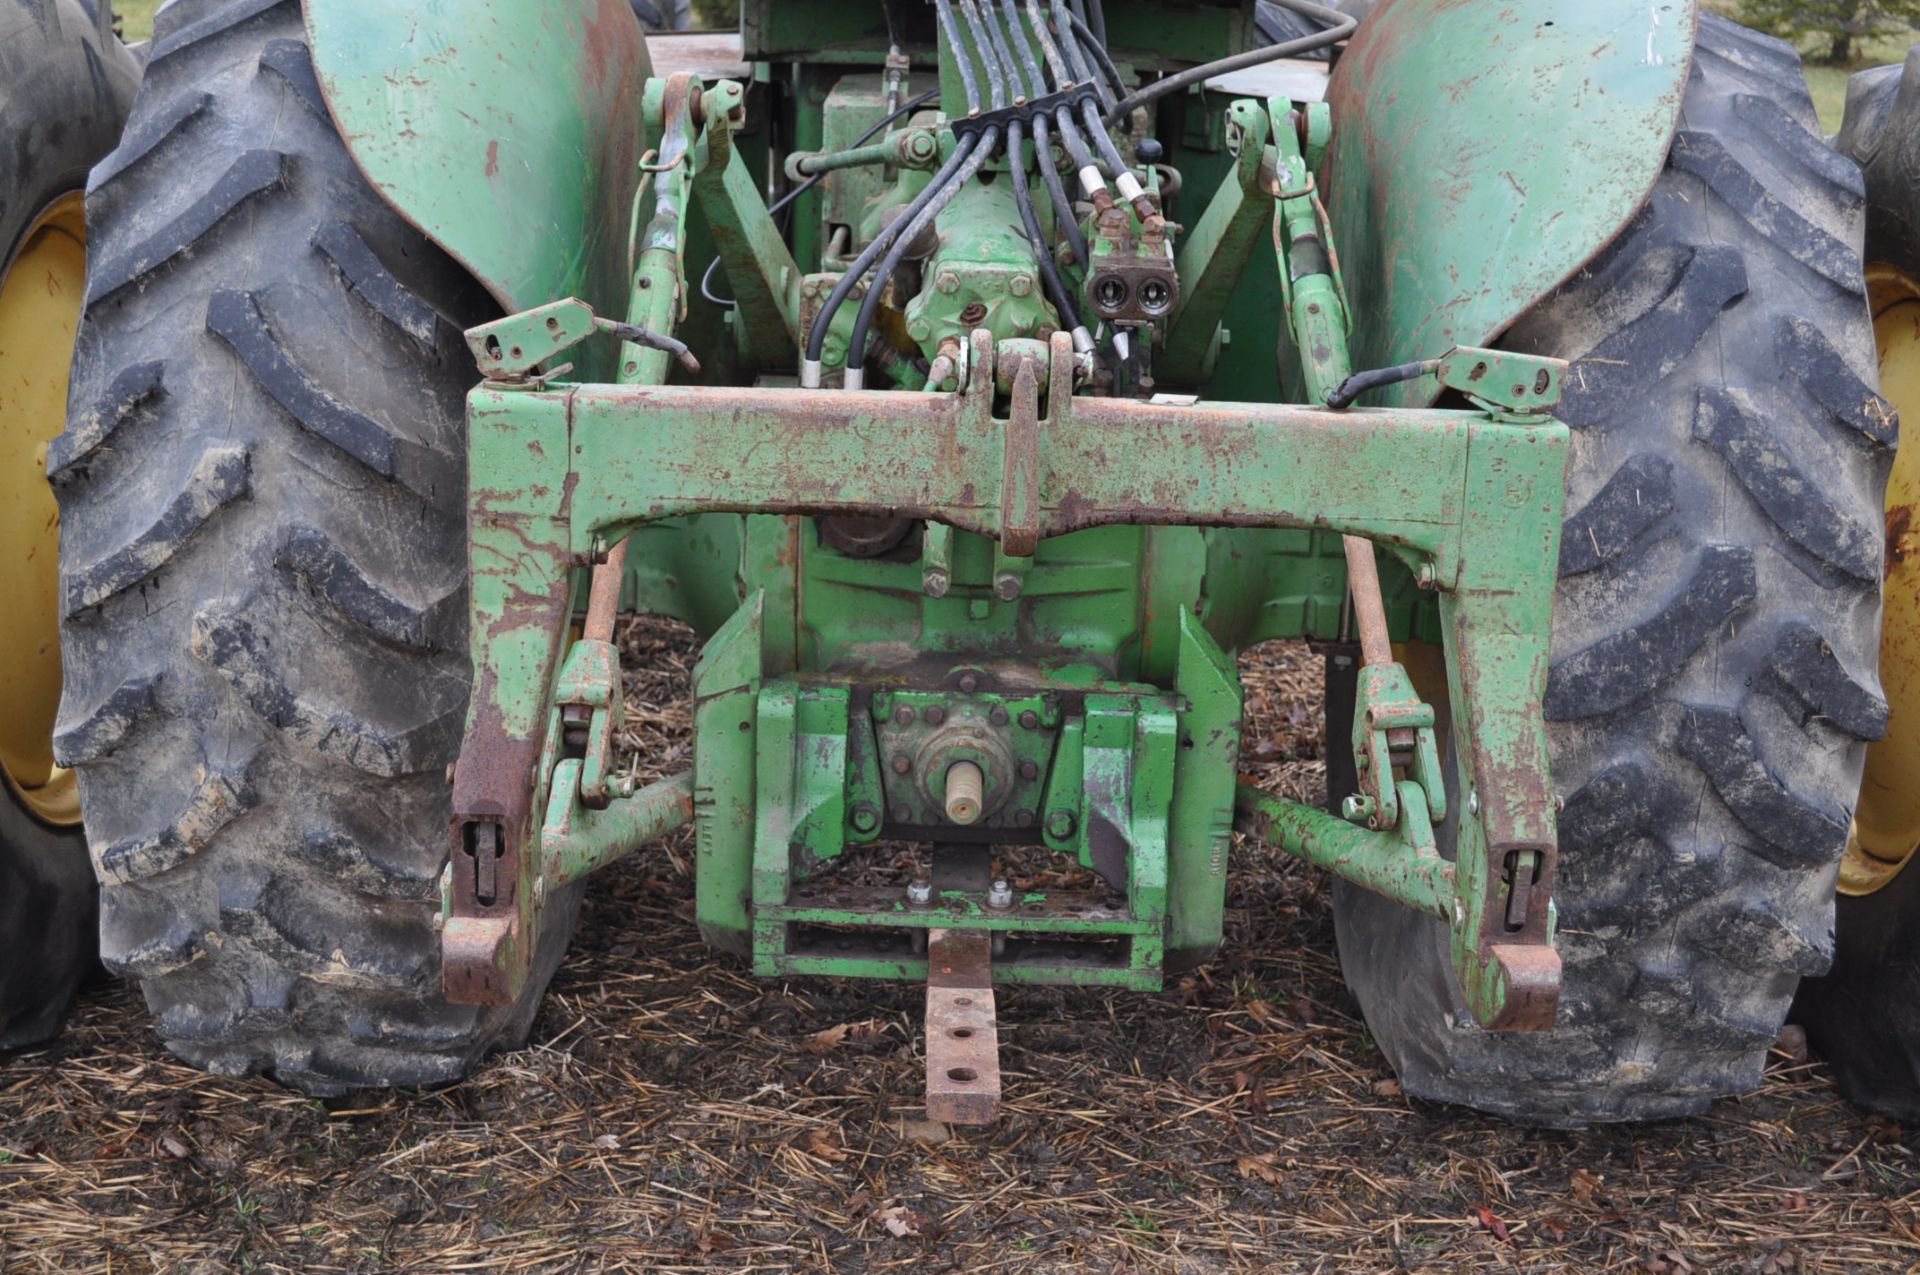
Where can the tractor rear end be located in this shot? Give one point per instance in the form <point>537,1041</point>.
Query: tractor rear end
<point>980,379</point>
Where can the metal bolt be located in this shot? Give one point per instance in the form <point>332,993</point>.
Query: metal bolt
<point>1029,720</point>
<point>1473,802</point>
<point>969,683</point>
<point>935,715</point>
<point>948,282</point>
<point>1060,825</point>
<point>934,582</point>
<point>920,893</point>
<point>902,813</point>
<point>1425,577</point>
<point>865,817</point>
<point>919,329</point>
<point>539,889</point>
<point>903,715</point>
<point>1023,818</point>
<point>1000,896</point>
<point>1021,286</point>
<point>974,313</point>
<point>1029,770</point>
<point>1006,586</point>
<point>902,763</point>
<point>998,716</point>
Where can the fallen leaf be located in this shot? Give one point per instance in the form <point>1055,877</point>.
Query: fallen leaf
<point>824,1144</point>
<point>713,1242</point>
<point>900,1220</point>
<point>1256,1091</point>
<point>1388,1088</point>
<point>1555,1227</point>
<point>607,1142</point>
<point>173,1148</point>
<point>1493,1225</point>
<point>824,1041</point>
<point>1584,1187</point>
<point>1260,1166</point>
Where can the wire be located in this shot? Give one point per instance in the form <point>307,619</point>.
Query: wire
<point>780,205</point>
<point>1343,26</point>
<point>1343,394</point>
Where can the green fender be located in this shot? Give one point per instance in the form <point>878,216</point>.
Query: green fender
<point>1482,153</point>
<point>508,131</point>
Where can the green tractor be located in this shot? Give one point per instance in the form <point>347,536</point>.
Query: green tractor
<point>978,378</point>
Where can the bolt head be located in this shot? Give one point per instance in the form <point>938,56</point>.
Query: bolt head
<point>998,716</point>
<point>969,683</point>
<point>1007,586</point>
<point>935,715</point>
<point>903,715</point>
<point>920,893</point>
<point>1000,895</point>
<point>902,813</point>
<point>1021,286</point>
<point>1023,818</point>
<point>935,583</point>
<point>864,817</point>
<point>948,282</point>
<point>1473,803</point>
<point>1029,720</point>
<point>1060,824</point>
<point>1029,770</point>
<point>901,763</point>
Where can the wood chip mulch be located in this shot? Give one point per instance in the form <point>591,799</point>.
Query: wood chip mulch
<point>673,1113</point>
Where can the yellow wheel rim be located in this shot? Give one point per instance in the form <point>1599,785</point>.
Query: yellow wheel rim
<point>1886,826</point>
<point>40,298</point>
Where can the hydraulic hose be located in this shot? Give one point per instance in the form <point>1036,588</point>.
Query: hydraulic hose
<point>1343,26</point>
<point>973,154</point>
<point>1049,269</point>
<point>1099,52</point>
<point>823,322</point>
<point>982,41</point>
<point>780,205</point>
<point>1009,11</point>
<point>969,79</point>
<point>1057,190</point>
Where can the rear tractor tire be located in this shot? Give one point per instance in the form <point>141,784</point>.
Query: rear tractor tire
<point>65,85</point>
<point>264,577</point>
<point>1712,681</point>
<point>1863,1016</point>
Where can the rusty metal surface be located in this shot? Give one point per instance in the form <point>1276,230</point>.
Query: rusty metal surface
<point>1532,976</point>
<point>963,1036</point>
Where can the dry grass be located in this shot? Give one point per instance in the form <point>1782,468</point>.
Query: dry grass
<point>674,1114</point>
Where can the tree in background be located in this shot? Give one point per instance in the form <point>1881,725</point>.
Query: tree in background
<point>1841,25</point>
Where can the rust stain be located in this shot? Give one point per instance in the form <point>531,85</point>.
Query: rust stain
<point>1899,526</point>
<point>493,158</point>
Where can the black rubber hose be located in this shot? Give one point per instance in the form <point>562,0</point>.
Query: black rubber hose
<point>1097,21</point>
<point>1002,51</point>
<point>780,205</point>
<point>817,337</point>
<point>1343,26</point>
<point>1343,394</point>
<point>1076,65</point>
<point>1009,11</point>
<point>969,80</point>
<point>1042,252</point>
<point>974,153</point>
<point>982,42</point>
<point>1104,58</point>
<point>1048,46</point>
<point>1057,190</point>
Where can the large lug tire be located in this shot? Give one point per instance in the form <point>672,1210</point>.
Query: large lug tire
<point>1715,630</point>
<point>1864,1015</point>
<point>65,85</point>
<point>264,577</point>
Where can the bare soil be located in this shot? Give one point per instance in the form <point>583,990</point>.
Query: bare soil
<point>673,1113</point>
